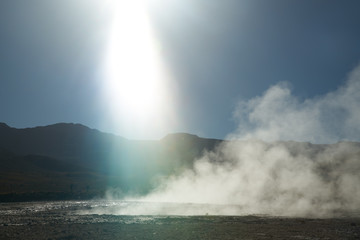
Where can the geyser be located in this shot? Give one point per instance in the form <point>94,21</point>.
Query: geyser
<point>266,173</point>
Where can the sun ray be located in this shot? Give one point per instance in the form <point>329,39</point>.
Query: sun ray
<point>135,83</point>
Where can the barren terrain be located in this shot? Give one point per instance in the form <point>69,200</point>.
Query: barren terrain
<point>62,220</point>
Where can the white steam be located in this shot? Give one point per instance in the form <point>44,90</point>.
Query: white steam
<point>267,172</point>
<point>281,178</point>
<point>278,115</point>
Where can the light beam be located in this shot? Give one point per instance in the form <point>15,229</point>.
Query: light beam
<point>136,87</point>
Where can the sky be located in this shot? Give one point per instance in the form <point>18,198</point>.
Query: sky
<point>143,70</point>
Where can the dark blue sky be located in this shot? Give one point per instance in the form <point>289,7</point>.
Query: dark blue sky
<point>220,52</point>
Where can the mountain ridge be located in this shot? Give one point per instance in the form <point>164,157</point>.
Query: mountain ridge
<point>79,126</point>
<point>102,160</point>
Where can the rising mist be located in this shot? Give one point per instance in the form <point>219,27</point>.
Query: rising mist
<point>262,170</point>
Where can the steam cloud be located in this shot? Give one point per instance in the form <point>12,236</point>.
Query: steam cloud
<point>266,172</point>
<point>281,177</point>
<point>278,115</point>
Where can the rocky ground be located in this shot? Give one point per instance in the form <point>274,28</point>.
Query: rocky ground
<point>20,221</point>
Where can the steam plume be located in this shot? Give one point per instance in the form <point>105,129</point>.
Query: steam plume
<point>278,115</point>
<point>281,177</point>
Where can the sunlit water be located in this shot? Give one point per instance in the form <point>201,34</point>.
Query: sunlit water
<point>118,207</point>
<point>105,211</point>
<point>101,219</point>
<point>118,210</point>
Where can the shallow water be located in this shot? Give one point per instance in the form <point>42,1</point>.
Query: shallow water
<point>99,219</point>
<point>118,207</point>
<point>136,208</point>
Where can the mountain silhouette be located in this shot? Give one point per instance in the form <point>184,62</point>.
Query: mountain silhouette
<point>67,160</point>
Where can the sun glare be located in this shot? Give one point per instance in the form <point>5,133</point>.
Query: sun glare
<point>135,81</point>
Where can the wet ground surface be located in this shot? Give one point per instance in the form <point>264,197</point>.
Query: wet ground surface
<point>76,220</point>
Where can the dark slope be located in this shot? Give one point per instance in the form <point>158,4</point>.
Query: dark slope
<point>65,141</point>
<point>41,175</point>
<point>68,157</point>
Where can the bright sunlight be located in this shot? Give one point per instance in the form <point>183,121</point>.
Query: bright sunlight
<point>135,83</point>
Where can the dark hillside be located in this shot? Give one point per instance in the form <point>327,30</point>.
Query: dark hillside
<point>70,158</point>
